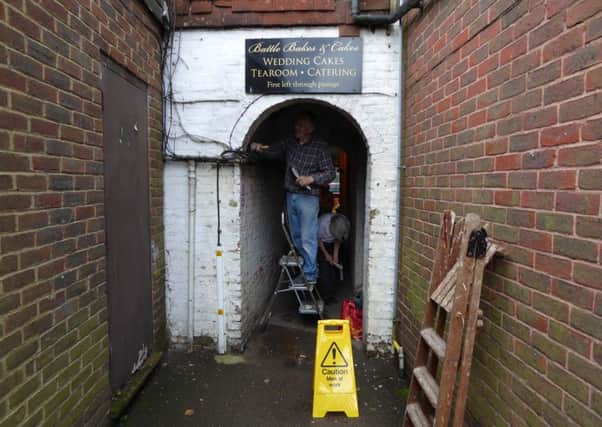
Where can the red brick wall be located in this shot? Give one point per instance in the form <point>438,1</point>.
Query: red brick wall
<point>270,13</point>
<point>503,117</point>
<point>53,304</point>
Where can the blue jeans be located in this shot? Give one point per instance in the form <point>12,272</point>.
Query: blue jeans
<point>303,223</point>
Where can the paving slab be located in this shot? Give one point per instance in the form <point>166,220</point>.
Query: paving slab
<point>269,384</point>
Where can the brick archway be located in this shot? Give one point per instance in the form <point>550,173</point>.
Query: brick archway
<point>379,204</point>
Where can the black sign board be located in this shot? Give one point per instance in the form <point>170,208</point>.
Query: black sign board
<point>304,65</point>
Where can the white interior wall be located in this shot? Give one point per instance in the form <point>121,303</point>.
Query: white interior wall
<point>212,112</point>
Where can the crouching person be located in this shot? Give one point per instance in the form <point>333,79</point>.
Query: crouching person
<point>332,232</point>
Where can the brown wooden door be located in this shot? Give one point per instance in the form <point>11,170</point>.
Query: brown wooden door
<point>127,221</point>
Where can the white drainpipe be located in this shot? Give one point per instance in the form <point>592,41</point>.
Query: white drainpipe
<point>400,168</point>
<point>191,244</point>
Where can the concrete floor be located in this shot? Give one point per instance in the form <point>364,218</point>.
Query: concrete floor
<point>270,384</point>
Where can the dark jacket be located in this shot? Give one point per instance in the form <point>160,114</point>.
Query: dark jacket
<point>310,159</point>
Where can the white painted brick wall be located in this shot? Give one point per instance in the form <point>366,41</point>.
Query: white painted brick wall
<point>212,112</point>
<point>262,241</point>
<point>176,248</point>
<point>206,241</point>
<point>175,178</point>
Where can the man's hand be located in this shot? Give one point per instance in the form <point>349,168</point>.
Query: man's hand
<point>304,181</point>
<point>255,146</point>
<point>335,259</point>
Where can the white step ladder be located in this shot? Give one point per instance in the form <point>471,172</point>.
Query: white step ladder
<point>291,266</point>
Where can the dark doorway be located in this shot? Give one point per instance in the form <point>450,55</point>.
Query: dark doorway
<point>127,221</point>
<point>264,203</point>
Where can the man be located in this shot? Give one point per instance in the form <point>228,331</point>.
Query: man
<point>308,165</point>
<point>333,230</point>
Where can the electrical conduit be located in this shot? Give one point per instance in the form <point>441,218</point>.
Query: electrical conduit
<point>219,265</point>
<point>219,270</point>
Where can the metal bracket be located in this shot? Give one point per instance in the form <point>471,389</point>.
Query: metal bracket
<point>477,244</point>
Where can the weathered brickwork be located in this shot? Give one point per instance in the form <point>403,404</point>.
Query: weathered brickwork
<point>53,305</point>
<point>503,118</point>
<point>270,13</point>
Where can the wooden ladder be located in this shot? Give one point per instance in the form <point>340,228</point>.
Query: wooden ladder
<point>455,290</point>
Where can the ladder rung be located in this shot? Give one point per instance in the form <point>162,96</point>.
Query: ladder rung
<point>291,261</point>
<point>446,285</point>
<point>434,341</point>
<point>448,302</point>
<point>428,384</point>
<point>301,286</point>
<point>307,308</point>
<point>416,416</point>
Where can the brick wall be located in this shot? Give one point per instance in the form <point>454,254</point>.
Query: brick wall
<point>504,118</point>
<point>270,13</point>
<point>262,242</point>
<point>205,241</point>
<point>53,304</point>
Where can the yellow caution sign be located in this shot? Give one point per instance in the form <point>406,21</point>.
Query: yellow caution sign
<point>334,376</point>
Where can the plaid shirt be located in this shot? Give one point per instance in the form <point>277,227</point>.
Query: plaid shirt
<point>310,159</point>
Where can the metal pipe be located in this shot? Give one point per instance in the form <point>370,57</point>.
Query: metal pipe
<point>399,178</point>
<point>191,247</point>
<point>376,19</point>
<point>204,159</point>
<point>400,359</point>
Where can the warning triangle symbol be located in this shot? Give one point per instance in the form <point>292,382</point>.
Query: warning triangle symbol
<point>334,358</point>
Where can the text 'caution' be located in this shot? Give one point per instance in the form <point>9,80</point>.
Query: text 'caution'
<point>334,376</point>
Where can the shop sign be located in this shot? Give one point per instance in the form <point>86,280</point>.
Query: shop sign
<point>304,65</point>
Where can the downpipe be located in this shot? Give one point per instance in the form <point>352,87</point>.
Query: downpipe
<point>375,19</point>
<point>380,19</point>
<point>399,177</point>
<point>398,349</point>
<point>191,247</point>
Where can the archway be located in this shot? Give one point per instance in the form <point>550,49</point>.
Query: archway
<point>262,199</point>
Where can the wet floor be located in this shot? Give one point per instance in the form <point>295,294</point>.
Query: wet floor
<point>269,384</point>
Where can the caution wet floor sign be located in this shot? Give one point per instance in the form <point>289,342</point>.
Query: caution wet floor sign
<point>334,376</point>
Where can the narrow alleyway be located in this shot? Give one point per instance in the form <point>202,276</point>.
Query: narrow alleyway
<point>270,384</point>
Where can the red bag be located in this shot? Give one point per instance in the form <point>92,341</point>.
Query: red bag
<point>354,315</point>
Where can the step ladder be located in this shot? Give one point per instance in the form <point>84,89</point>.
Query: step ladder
<point>306,293</point>
<point>454,292</point>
